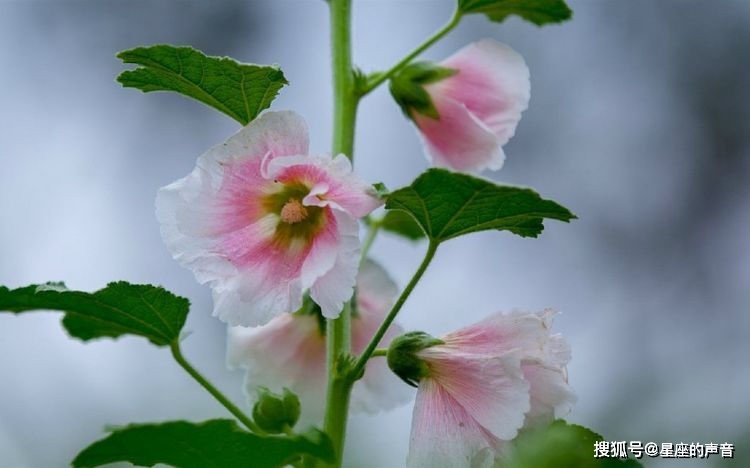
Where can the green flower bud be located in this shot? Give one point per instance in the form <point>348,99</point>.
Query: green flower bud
<point>273,412</point>
<point>407,87</point>
<point>402,356</point>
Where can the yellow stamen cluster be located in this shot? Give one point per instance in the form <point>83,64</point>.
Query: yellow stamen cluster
<point>293,212</point>
<point>297,224</point>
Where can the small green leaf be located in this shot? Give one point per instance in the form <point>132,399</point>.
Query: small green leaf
<point>239,90</point>
<point>448,204</point>
<point>119,309</point>
<point>560,445</point>
<point>401,223</point>
<point>538,12</point>
<point>218,443</point>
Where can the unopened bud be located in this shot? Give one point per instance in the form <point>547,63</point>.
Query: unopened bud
<point>407,87</point>
<point>273,412</point>
<point>403,359</point>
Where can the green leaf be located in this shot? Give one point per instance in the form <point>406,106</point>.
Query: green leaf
<point>560,445</point>
<point>119,309</point>
<point>538,12</point>
<point>239,90</point>
<point>216,443</point>
<point>399,222</point>
<point>448,204</point>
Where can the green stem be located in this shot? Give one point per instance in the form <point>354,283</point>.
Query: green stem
<point>345,99</point>
<point>338,331</point>
<point>359,367</point>
<point>378,78</point>
<point>372,233</point>
<point>177,353</point>
<point>379,352</point>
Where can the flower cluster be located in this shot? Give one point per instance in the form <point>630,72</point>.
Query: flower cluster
<point>274,231</point>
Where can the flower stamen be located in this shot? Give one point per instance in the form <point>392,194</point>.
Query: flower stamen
<point>293,212</point>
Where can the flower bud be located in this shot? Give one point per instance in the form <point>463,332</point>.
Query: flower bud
<point>407,87</point>
<point>403,359</point>
<point>273,412</point>
<point>467,106</point>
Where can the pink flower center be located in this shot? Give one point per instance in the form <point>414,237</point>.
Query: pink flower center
<point>297,222</point>
<point>293,212</point>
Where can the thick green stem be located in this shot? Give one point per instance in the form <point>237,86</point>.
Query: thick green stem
<point>338,331</point>
<point>378,78</point>
<point>367,353</point>
<point>177,353</point>
<point>345,99</point>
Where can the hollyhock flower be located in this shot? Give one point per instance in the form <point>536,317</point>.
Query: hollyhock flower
<point>261,221</point>
<point>289,352</point>
<point>467,106</point>
<point>479,385</point>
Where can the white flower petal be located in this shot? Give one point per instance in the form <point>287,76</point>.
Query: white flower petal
<point>331,290</point>
<point>443,435</point>
<point>289,351</point>
<point>491,389</point>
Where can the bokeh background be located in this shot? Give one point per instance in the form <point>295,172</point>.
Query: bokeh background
<point>639,122</point>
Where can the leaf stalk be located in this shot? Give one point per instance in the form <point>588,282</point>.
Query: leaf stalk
<point>231,407</point>
<point>377,79</point>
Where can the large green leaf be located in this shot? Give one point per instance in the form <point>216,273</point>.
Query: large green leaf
<point>538,12</point>
<point>560,445</point>
<point>119,309</point>
<point>399,222</point>
<point>447,204</point>
<point>239,90</point>
<point>217,443</point>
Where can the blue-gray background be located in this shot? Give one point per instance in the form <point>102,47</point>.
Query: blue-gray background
<point>639,122</point>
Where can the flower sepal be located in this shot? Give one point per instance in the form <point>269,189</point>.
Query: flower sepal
<point>407,87</point>
<point>402,356</point>
<point>273,412</point>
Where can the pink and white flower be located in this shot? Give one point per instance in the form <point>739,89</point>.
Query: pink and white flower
<point>289,352</point>
<point>479,385</point>
<point>477,107</point>
<point>261,221</point>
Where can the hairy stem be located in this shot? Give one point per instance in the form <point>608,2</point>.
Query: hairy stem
<point>344,97</point>
<point>378,78</point>
<point>177,354</point>
<point>338,331</point>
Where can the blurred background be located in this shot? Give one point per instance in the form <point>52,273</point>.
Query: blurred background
<point>639,122</point>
